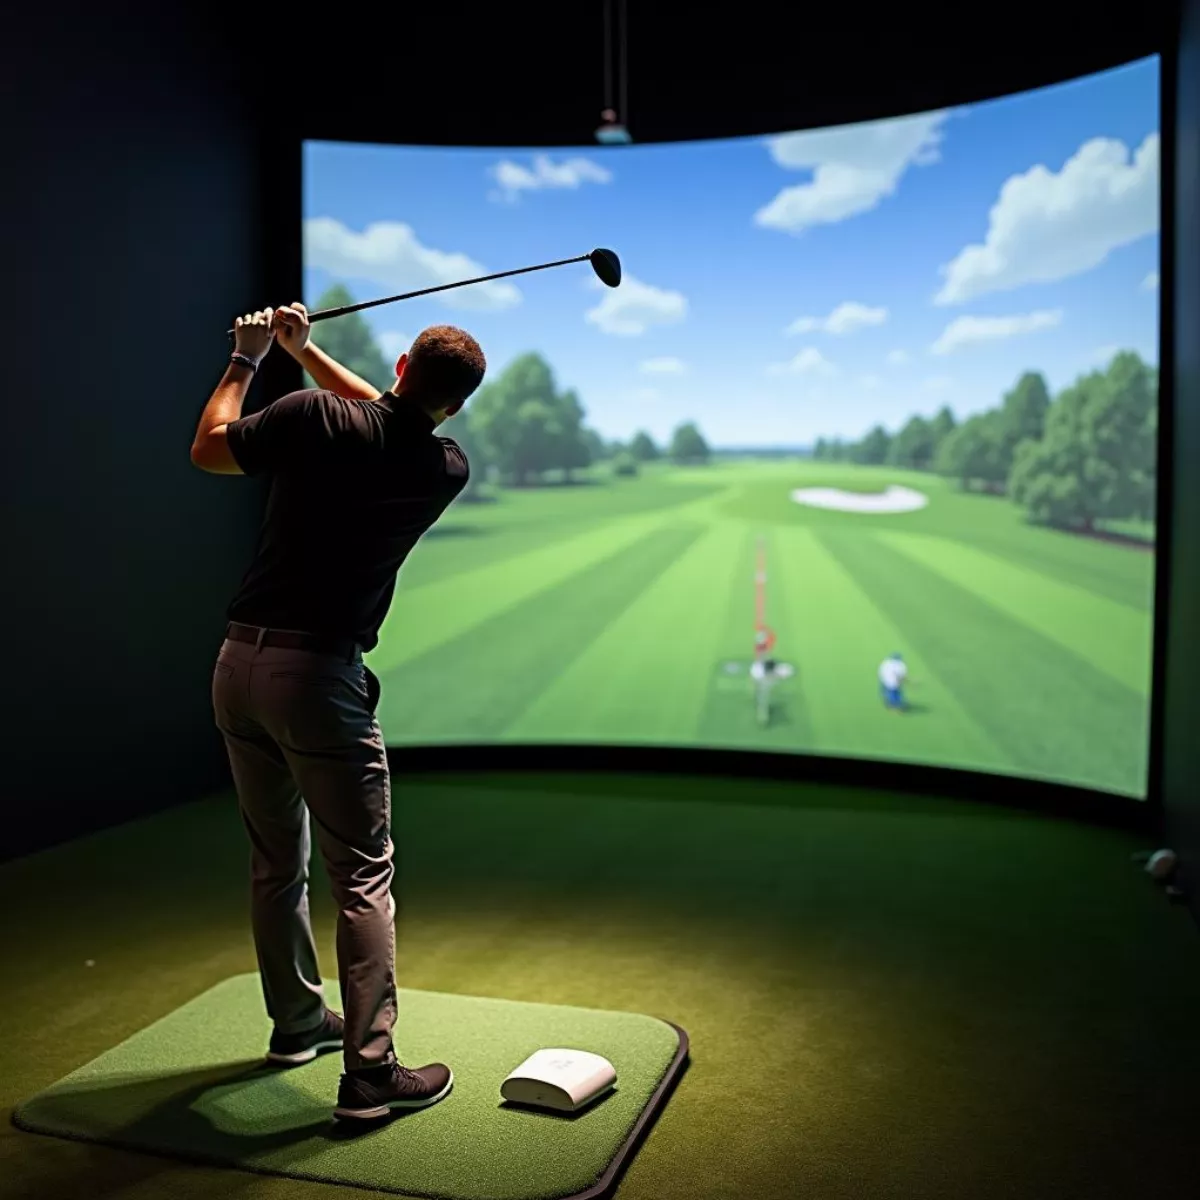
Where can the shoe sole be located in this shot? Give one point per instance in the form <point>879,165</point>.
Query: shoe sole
<point>304,1056</point>
<point>382,1110</point>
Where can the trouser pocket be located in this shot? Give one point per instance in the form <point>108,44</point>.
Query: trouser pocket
<point>373,688</point>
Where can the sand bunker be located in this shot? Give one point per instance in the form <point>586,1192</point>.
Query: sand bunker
<point>894,500</point>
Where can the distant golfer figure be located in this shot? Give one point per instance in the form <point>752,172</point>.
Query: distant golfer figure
<point>892,673</point>
<point>356,478</point>
<point>764,672</point>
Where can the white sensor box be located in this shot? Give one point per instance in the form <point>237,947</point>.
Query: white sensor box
<point>562,1080</point>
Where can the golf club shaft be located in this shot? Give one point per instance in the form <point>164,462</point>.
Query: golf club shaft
<point>325,313</point>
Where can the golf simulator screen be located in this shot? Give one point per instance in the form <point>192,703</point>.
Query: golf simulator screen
<point>858,459</point>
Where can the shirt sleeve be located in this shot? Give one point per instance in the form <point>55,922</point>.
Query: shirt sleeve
<point>287,432</point>
<point>458,470</point>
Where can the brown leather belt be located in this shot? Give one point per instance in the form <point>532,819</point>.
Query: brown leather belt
<point>286,639</point>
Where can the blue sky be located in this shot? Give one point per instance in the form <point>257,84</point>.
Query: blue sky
<point>777,289</point>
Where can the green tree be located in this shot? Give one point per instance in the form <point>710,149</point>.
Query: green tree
<point>624,464</point>
<point>597,447</point>
<point>1024,411</point>
<point>688,445</point>
<point>525,426</point>
<point>643,448</point>
<point>942,426</point>
<point>973,453</point>
<point>1097,458</point>
<point>821,450</point>
<point>872,451</point>
<point>572,452</point>
<point>913,446</point>
<point>349,340</point>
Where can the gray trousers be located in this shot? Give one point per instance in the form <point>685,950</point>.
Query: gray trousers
<point>304,743</point>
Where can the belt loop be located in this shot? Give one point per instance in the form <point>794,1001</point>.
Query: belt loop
<point>262,633</point>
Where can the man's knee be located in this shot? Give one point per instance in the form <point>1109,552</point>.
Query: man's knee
<point>277,876</point>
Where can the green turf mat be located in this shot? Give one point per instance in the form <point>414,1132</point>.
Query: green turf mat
<point>193,1085</point>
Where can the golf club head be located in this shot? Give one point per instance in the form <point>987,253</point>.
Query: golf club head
<point>607,266</point>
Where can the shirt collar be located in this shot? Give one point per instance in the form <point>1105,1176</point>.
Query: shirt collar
<point>409,410</point>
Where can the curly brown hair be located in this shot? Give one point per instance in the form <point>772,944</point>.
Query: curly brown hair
<point>445,365</point>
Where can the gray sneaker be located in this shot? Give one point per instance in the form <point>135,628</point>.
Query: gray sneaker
<point>374,1093</point>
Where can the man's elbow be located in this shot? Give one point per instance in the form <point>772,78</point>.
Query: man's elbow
<point>213,455</point>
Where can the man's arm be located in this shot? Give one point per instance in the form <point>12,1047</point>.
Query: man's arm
<point>254,334</point>
<point>210,449</point>
<point>293,329</point>
<point>331,376</point>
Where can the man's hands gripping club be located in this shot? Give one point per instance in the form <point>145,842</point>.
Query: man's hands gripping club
<point>254,333</point>
<point>292,328</point>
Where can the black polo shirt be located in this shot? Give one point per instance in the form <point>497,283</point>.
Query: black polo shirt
<point>354,485</point>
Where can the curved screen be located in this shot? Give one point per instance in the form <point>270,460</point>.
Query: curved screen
<point>858,460</point>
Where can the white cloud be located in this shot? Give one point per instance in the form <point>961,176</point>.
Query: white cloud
<point>1046,226</point>
<point>853,168</point>
<point>970,331</point>
<point>663,366</point>
<point>897,358</point>
<point>809,361</point>
<point>847,317</point>
<point>388,254</point>
<point>1150,283</point>
<point>514,178</point>
<point>634,307</point>
<point>393,343</point>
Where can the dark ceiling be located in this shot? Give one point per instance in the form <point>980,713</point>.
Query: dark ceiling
<point>534,74</point>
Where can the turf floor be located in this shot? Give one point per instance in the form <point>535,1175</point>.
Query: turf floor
<point>613,612</point>
<point>193,1085</point>
<point>886,996</point>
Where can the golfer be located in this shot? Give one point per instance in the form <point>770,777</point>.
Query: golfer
<point>892,674</point>
<point>356,478</point>
<point>764,673</point>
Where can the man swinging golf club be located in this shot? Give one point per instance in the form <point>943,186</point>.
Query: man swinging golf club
<point>356,478</point>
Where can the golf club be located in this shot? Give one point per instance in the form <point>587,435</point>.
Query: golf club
<point>604,262</point>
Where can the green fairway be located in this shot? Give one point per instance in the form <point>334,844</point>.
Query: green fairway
<point>622,611</point>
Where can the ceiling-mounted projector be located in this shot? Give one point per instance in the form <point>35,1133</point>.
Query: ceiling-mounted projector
<point>562,1080</point>
<point>611,131</point>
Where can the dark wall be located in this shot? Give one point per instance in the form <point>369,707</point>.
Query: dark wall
<point>1181,723</point>
<point>132,231</point>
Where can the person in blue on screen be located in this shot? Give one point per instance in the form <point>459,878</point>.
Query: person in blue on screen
<point>892,673</point>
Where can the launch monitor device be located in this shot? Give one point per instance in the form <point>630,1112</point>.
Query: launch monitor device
<point>560,1080</point>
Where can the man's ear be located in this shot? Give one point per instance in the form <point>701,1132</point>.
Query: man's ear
<point>401,363</point>
<point>451,409</point>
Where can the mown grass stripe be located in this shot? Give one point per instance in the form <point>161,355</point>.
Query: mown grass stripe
<point>473,686</point>
<point>1054,714</point>
<point>1111,637</point>
<point>648,675</point>
<point>837,632</point>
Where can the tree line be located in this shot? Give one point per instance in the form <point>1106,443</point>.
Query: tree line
<point>518,429</point>
<point>1083,456</point>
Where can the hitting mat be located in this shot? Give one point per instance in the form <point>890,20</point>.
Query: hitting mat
<point>193,1086</point>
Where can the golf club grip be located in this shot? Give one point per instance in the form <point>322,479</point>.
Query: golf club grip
<point>325,314</point>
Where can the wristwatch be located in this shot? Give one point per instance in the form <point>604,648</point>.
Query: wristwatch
<point>244,359</point>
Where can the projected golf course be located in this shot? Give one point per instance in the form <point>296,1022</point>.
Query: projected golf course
<point>858,456</point>
<point>612,612</point>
